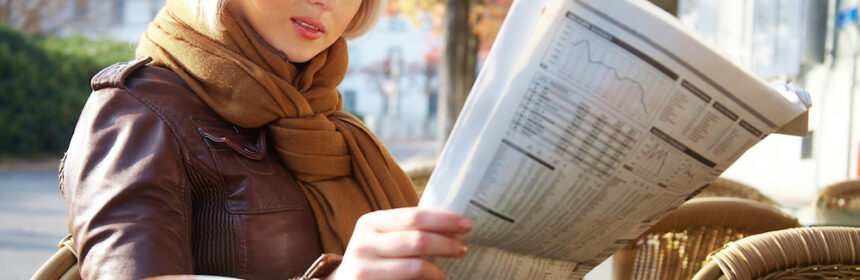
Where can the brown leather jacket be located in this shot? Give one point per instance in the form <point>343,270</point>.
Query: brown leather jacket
<point>156,183</point>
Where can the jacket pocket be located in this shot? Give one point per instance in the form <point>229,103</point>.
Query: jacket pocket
<point>255,180</point>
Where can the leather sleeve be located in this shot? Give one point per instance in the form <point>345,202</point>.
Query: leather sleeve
<point>127,191</point>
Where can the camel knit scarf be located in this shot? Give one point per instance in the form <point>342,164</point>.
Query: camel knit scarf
<point>342,168</point>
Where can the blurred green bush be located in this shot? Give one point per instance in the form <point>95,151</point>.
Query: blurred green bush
<point>44,83</point>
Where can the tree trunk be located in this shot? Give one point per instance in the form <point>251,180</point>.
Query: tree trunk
<point>459,65</point>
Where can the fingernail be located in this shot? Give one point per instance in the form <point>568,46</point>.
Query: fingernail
<point>463,250</point>
<point>465,224</point>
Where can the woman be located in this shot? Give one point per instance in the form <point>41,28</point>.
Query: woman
<point>223,149</point>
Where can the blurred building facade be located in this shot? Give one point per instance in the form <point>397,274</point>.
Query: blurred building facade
<point>812,44</point>
<point>135,17</point>
<point>114,19</point>
<point>392,81</point>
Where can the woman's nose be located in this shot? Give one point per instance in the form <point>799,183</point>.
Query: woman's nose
<point>325,4</point>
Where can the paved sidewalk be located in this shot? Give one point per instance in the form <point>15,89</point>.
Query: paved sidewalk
<point>32,220</point>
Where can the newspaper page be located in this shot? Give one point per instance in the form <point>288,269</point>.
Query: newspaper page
<point>589,122</point>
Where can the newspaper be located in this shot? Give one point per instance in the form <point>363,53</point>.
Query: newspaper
<point>589,122</point>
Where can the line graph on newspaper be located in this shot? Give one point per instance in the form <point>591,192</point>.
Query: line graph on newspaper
<point>605,67</point>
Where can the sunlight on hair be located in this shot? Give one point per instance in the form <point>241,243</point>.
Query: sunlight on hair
<point>365,19</point>
<point>208,11</point>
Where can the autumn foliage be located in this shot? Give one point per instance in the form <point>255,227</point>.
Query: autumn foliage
<point>486,17</point>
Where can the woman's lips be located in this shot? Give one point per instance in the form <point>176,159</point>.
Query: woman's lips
<point>309,28</point>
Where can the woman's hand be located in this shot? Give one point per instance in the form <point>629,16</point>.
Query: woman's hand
<point>399,243</point>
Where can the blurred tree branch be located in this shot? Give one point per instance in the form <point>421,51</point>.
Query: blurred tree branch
<point>33,14</point>
<point>52,16</point>
<point>5,11</point>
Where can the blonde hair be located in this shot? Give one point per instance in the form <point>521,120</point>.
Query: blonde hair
<point>368,14</point>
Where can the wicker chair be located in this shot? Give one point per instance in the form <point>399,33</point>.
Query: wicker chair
<point>839,204</point>
<point>799,253</point>
<point>63,265</point>
<point>677,246</point>
<point>419,172</point>
<point>724,187</point>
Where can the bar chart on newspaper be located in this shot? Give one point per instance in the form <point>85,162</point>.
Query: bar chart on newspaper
<point>602,66</point>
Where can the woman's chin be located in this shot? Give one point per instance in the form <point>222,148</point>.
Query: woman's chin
<point>300,56</point>
<point>299,60</point>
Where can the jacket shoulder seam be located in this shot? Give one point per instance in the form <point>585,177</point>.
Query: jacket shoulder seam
<point>116,74</point>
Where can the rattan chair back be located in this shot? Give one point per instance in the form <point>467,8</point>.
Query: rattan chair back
<point>678,245</point>
<point>724,187</point>
<point>798,253</point>
<point>63,265</point>
<point>419,172</point>
<point>839,204</point>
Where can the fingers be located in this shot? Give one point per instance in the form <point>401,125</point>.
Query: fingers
<point>414,244</point>
<point>395,244</point>
<point>409,268</point>
<point>402,219</point>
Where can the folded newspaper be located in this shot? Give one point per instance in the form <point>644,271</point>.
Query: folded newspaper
<point>589,122</point>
